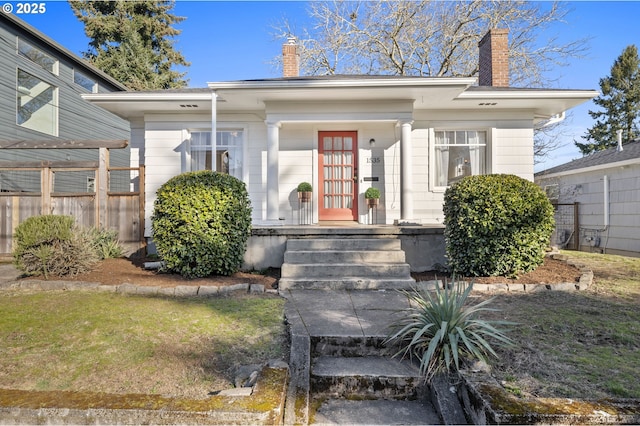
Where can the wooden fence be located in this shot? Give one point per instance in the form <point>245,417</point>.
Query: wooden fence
<point>95,194</point>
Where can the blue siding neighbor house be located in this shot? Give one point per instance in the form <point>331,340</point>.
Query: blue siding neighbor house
<point>41,83</point>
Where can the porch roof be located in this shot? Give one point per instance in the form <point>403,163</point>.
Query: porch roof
<point>425,93</point>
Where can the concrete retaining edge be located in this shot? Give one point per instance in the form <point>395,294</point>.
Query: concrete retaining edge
<point>486,402</point>
<point>264,406</point>
<point>127,288</point>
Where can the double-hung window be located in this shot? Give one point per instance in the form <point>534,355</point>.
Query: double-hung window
<point>458,153</point>
<point>226,155</point>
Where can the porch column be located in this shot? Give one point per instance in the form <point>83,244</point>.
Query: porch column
<point>406,171</point>
<point>214,127</point>
<point>273,151</point>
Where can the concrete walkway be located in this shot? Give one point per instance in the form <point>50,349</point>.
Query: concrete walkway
<point>314,314</point>
<point>362,313</point>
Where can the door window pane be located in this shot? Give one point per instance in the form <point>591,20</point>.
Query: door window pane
<point>348,144</point>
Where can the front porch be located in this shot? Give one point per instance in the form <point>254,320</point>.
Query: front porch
<point>424,246</point>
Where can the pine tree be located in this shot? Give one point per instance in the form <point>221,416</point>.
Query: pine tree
<point>620,101</point>
<point>133,41</point>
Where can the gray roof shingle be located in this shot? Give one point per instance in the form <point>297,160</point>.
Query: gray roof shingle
<point>630,151</point>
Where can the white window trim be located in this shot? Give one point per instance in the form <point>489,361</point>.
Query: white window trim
<point>488,154</point>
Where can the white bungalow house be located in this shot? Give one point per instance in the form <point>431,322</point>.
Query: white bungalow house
<point>598,200</point>
<point>410,137</point>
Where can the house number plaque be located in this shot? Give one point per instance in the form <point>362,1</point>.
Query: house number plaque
<point>373,160</point>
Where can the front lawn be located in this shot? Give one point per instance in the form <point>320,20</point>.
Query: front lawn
<point>113,343</point>
<point>580,344</point>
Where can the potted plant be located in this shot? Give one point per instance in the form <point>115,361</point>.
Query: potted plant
<point>372,195</point>
<point>304,192</point>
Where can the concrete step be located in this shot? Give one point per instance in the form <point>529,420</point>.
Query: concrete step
<point>377,412</point>
<point>344,256</point>
<point>345,283</point>
<point>340,270</point>
<point>345,263</point>
<point>370,377</point>
<point>350,346</point>
<point>344,244</point>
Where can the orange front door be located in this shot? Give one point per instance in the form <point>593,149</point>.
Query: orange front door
<point>338,176</point>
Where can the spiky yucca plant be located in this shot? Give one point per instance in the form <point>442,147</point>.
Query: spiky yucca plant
<point>439,329</point>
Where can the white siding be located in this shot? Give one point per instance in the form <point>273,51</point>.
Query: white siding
<point>509,150</point>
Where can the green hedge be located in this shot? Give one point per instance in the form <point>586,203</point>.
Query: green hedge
<point>496,225</point>
<point>201,223</point>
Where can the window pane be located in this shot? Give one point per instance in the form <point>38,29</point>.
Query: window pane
<point>347,186</point>
<point>347,172</point>
<point>36,104</point>
<point>348,144</point>
<point>327,201</point>
<point>458,154</point>
<point>337,143</point>
<point>36,55</point>
<point>326,144</point>
<point>84,81</point>
<point>228,152</point>
<point>347,201</point>
<point>328,159</point>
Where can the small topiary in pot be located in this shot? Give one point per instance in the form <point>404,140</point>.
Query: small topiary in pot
<point>304,191</point>
<point>372,195</point>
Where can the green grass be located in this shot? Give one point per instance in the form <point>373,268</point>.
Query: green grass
<point>127,344</point>
<point>582,344</point>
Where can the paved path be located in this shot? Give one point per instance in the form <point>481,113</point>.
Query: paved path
<point>343,313</point>
<point>353,313</point>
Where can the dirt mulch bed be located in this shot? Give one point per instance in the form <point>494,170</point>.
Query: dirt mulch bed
<point>131,271</point>
<point>552,271</point>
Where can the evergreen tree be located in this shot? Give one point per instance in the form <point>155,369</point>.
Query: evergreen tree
<point>620,101</point>
<point>132,41</point>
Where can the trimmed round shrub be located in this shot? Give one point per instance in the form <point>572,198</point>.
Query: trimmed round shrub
<point>53,245</point>
<point>201,223</point>
<point>496,225</point>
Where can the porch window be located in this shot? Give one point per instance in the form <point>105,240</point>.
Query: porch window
<point>458,153</point>
<point>37,104</point>
<point>228,152</point>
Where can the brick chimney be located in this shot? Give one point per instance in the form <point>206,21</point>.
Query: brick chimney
<point>290,58</point>
<point>494,58</point>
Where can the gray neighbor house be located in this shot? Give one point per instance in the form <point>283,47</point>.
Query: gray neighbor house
<point>602,190</point>
<point>50,137</point>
